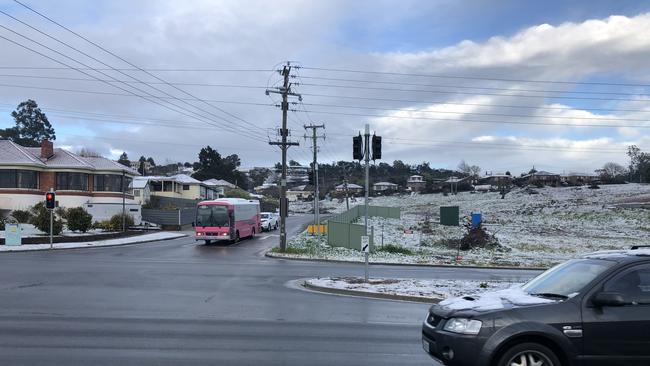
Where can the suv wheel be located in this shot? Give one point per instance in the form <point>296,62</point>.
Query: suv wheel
<point>529,354</point>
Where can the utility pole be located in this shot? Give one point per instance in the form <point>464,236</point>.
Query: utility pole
<point>315,137</point>
<point>123,203</point>
<point>285,91</point>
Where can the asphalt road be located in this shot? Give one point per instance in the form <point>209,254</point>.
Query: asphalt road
<point>180,302</point>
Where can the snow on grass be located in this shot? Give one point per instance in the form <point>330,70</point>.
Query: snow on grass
<point>426,289</point>
<point>99,243</point>
<point>534,230</point>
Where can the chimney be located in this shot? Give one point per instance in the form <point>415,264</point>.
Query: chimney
<point>47,149</point>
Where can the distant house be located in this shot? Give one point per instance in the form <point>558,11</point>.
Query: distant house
<point>384,187</point>
<point>180,186</point>
<point>416,183</point>
<point>26,173</point>
<point>135,165</point>
<point>577,179</point>
<point>140,190</point>
<point>496,181</point>
<point>353,189</point>
<point>299,193</point>
<point>219,183</point>
<point>542,178</point>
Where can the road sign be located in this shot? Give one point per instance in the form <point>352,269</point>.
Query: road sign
<point>365,244</point>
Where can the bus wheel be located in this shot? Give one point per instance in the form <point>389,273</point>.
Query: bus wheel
<point>208,242</point>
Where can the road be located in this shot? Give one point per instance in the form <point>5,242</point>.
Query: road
<point>179,302</point>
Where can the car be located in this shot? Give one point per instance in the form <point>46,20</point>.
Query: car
<point>269,221</point>
<point>593,310</point>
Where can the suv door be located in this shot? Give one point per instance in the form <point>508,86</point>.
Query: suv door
<point>620,335</point>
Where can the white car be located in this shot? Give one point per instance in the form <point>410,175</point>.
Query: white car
<point>269,221</point>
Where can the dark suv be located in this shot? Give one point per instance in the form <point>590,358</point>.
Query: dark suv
<point>589,311</point>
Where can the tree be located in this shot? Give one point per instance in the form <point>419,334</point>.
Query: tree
<point>294,163</point>
<point>463,167</point>
<point>124,159</point>
<point>142,168</point>
<point>259,175</point>
<point>151,162</point>
<point>88,153</point>
<point>639,164</point>
<point>32,126</point>
<point>612,173</point>
<point>212,165</point>
<point>187,164</point>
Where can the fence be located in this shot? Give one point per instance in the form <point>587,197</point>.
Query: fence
<point>169,219</point>
<point>341,232</point>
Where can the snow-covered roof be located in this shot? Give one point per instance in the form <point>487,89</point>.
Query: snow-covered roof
<point>139,182</point>
<point>578,174</point>
<point>14,154</point>
<point>385,184</point>
<point>218,183</point>
<point>350,186</point>
<point>544,173</point>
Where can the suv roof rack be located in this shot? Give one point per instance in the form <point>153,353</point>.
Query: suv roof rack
<point>635,247</point>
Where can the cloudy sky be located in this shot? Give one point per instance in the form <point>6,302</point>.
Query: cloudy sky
<point>504,85</point>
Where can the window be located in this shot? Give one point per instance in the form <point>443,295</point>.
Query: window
<point>186,187</point>
<point>110,183</point>
<point>633,284</point>
<point>66,181</point>
<point>568,278</point>
<point>16,178</point>
<point>136,192</point>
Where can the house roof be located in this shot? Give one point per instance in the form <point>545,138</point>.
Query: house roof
<point>578,174</point>
<point>218,183</point>
<point>544,173</point>
<point>14,154</point>
<point>139,182</point>
<point>178,178</point>
<point>350,186</point>
<point>384,184</point>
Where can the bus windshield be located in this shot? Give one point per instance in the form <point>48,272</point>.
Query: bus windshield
<point>212,215</point>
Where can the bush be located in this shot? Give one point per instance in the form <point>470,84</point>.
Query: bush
<point>22,216</point>
<point>237,193</point>
<point>2,223</point>
<point>396,249</point>
<point>116,222</point>
<point>78,219</point>
<point>41,220</point>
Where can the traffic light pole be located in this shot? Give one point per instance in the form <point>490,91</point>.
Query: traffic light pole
<point>367,158</point>
<point>51,225</point>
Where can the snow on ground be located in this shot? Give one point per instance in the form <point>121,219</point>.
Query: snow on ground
<point>536,230</point>
<point>98,243</point>
<point>427,289</point>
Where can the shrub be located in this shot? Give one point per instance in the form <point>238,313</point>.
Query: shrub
<point>116,222</point>
<point>237,193</point>
<point>78,219</point>
<point>2,223</point>
<point>22,216</point>
<point>395,249</point>
<point>41,220</point>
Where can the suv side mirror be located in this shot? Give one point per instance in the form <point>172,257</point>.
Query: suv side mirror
<point>608,299</point>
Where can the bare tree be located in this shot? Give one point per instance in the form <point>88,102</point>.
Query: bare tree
<point>611,172</point>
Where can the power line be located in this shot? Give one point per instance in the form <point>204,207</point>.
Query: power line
<point>493,144</point>
<point>473,77</point>
<point>137,69</point>
<point>86,73</point>
<point>105,64</point>
<point>468,87</point>
<point>478,121</point>
<point>339,96</point>
<point>467,93</point>
<point>477,113</point>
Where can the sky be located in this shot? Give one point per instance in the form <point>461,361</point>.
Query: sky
<point>506,85</point>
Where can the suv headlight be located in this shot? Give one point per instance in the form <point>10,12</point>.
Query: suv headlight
<point>463,326</point>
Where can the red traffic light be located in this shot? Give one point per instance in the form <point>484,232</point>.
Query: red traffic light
<point>50,200</point>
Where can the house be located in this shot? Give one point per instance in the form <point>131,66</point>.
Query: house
<point>135,165</point>
<point>180,186</point>
<point>299,193</point>
<point>353,189</point>
<point>496,181</point>
<point>415,183</point>
<point>219,183</point>
<point>542,178</point>
<point>384,188</point>
<point>26,173</point>
<point>141,190</point>
<point>578,179</point>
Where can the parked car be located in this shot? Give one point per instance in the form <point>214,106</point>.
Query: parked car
<point>594,310</point>
<point>269,221</point>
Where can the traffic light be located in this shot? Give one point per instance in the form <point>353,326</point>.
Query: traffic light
<point>376,147</point>
<point>50,200</point>
<point>357,147</point>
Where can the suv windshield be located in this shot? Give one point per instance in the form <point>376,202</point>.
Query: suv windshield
<point>264,216</point>
<point>567,279</point>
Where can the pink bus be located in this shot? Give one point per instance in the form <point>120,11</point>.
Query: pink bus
<point>227,219</point>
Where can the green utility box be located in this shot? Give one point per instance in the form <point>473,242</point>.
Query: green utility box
<point>449,215</point>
